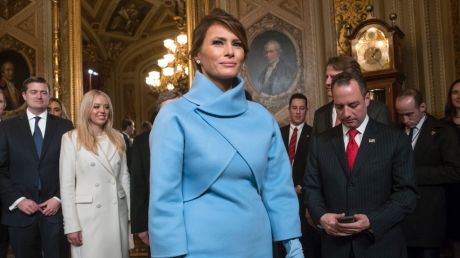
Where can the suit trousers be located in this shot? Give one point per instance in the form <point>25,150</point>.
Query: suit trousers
<point>3,241</point>
<point>420,252</point>
<point>41,239</point>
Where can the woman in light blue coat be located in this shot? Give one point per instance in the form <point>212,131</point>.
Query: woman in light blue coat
<point>220,179</point>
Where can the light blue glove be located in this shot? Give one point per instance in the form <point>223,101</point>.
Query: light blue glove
<point>293,248</point>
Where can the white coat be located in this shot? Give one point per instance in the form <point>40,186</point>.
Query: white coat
<point>95,197</point>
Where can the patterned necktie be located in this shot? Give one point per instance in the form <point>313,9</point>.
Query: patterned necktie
<point>292,143</point>
<point>352,148</point>
<point>38,137</point>
<point>411,134</point>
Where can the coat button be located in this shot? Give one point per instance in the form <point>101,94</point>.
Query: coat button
<point>98,206</point>
<point>92,164</point>
<point>96,185</point>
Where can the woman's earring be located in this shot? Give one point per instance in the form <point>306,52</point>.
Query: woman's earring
<point>198,61</point>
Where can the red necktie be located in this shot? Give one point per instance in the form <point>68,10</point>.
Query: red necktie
<point>291,148</point>
<point>352,148</point>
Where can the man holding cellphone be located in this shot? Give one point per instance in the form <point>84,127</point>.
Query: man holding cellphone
<point>359,182</point>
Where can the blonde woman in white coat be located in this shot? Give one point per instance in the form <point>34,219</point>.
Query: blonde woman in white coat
<point>95,182</point>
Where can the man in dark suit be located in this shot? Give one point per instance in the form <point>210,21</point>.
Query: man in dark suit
<point>361,169</point>
<point>296,137</point>
<point>127,130</point>
<point>326,116</point>
<point>277,74</point>
<point>140,176</point>
<point>437,162</point>
<point>29,176</point>
<point>3,229</point>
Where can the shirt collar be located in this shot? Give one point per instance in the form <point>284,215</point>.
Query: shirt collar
<point>361,128</point>
<point>31,116</point>
<point>420,123</point>
<point>299,127</point>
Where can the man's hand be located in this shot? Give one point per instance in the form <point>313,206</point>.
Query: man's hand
<point>298,189</point>
<point>144,236</point>
<point>28,206</point>
<point>361,223</point>
<point>50,207</point>
<point>309,219</point>
<point>75,238</point>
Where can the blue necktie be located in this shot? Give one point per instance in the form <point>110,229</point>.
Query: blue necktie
<point>38,137</point>
<point>38,140</point>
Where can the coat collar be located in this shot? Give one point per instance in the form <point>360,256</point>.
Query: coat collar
<point>211,100</point>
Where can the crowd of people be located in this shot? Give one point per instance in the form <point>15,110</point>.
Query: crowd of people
<point>217,177</point>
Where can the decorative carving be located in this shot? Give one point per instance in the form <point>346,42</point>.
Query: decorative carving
<point>56,46</point>
<point>246,7</point>
<point>293,6</point>
<point>128,16</point>
<point>28,25</point>
<point>347,12</point>
<point>455,25</point>
<point>9,8</point>
<point>267,23</point>
<point>8,42</point>
<point>114,48</point>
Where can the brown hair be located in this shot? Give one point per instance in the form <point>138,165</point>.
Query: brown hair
<point>61,104</point>
<point>344,79</point>
<point>33,79</point>
<point>344,64</point>
<point>449,110</point>
<point>225,19</point>
<point>414,93</point>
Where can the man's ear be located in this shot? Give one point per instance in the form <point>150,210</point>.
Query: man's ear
<point>422,107</point>
<point>367,99</point>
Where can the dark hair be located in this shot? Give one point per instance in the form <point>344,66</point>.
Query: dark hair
<point>449,110</point>
<point>344,79</point>
<point>218,16</point>
<point>33,79</point>
<point>414,93</point>
<point>125,123</point>
<point>298,96</point>
<point>344,64</point>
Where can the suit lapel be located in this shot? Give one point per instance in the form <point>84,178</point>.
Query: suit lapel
<point>339,148</point>
<point>50,130</point>
<point>285,135</point>
<point>26,131</point>
<point>366,147</point>
<point>103,159</point>
<point>423,136</point>
<point>329,115</point>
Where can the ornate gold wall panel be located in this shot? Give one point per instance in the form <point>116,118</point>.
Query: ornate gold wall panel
<point>347,12</point>
<point>9,9</point>
<point>456,33</point>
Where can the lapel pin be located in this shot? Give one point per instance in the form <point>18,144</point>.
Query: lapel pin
<point>371,140</point>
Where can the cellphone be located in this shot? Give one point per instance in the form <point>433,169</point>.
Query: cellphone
<point>346,219</point>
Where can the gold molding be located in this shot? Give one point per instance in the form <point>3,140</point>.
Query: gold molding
<point>349,12</point>
<point>74,56</point>
<point>56,60</point>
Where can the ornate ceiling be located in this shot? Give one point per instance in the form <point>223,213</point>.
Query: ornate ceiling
<point>109,27</point>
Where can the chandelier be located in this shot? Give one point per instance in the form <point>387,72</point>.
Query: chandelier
<point>173,74</point>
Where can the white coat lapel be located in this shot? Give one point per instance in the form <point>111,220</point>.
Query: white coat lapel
<point>104,158</point>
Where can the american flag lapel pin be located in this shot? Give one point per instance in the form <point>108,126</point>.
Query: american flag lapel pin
<point>372,140</point>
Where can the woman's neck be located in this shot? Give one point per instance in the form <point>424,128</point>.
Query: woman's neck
<point>97,130</point>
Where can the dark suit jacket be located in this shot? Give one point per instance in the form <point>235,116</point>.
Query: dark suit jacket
<point>20,166</point>
<point>323,115</point>
<point>381,185</point>
<point>140,186</point>
<point>437,162</point>
<point>128,149</point>
<point>300,160</point>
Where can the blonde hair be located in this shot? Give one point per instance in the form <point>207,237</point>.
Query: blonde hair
<point>61,104</point>
<point>86,136</point>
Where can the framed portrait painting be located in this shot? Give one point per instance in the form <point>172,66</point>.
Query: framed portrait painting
<point>274,65</point>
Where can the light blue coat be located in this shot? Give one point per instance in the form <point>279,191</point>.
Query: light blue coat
<point>193,140</point>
